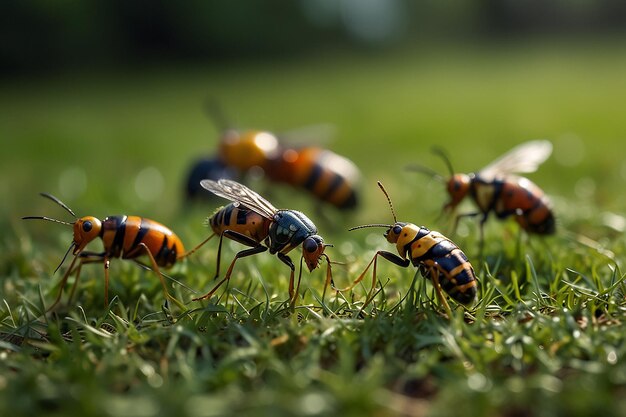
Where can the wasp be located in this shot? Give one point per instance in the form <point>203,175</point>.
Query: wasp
<point>126,237</point>
<point>329,177</point>
<point>496,189</point>
<point>437,257</point>
<point>253,221</point>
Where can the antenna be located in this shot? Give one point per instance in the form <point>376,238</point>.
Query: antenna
<point>425,170</point>
<point>215,112</point>
<point>386,226</point>
<point>380,185</point>
<point>443,155</point>
<point>48,219</point>
<point>59,202</point>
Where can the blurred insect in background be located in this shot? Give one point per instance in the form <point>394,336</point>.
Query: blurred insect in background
<point>209,167</point>
<point>437,257</point>
<point>496,188</point>
<point>253,221</point>
<point>126,237</point>
<point>329,177</point>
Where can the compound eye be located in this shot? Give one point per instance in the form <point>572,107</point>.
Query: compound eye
<point>397,230</point>
<point>87,226</point>
<point>310,245</point>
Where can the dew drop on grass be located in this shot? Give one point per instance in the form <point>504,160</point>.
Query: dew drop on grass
<point>478,382</point>
<point>611,357</point>
<point>313,403</point>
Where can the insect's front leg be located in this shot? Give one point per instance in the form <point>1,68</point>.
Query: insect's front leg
<point>84,258</point>
<point>458,217</point>
<point>391,257</point>
<point>287,261</point>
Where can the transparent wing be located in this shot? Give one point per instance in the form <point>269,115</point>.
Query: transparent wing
<point>317,134</point>
<point>523,158</point>
<point>239,193</point>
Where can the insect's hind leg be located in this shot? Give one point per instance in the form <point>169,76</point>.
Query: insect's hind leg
<point>237,237</point>
<point>157,271</point>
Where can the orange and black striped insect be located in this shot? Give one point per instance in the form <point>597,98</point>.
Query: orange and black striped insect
<point>329,177</point>
<point>126,237</point>
<point>253,221</point>
<point>436,256</point>
<point>495,188</point>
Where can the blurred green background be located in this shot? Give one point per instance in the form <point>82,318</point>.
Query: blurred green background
<point>102,102</point>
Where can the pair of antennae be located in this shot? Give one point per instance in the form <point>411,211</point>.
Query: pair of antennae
<point>429,171</point>
<point>393,213</point>
<point>50,219</point>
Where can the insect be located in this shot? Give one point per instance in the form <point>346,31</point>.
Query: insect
<point>329,177</point>
<point>436,256</point>
<point>253,221</point>
<point>495,188</point>
<point>126,237</point>
<point>211,167</point>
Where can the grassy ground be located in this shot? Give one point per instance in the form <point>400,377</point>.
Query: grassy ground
<point>545,338</point>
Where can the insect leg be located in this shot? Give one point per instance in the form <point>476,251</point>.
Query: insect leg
<point>62,284</point>
<point>434,272</point>
<point>157,271</point>
<point>237,237</point>
<point>242,254</point>
<point>287,261</point>
<point>85,257</point>
<point>192,251</point>
<point>458,217</point>
<point>392,257</point>
<point>329,276</point>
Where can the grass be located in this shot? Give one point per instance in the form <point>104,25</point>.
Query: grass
<point>545,338</point>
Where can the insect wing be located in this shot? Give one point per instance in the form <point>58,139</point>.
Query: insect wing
<point>318,134</point>
<point>233,191</point>
<point>523,158</point>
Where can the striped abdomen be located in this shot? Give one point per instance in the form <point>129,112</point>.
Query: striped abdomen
<point>431,251</point>
<point>240,219</point>
<point>330,177</point>
<point>519,197</point>
<point>122,236</point>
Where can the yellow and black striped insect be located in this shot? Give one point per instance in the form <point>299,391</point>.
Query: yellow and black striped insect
<point>436,256</point>
<point>329,177</point>
<point>253,221</point>
<point>495,188</point>
<point>126,237</point>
